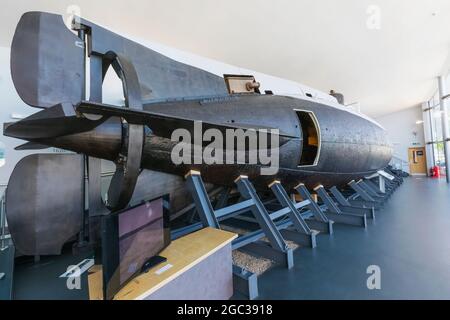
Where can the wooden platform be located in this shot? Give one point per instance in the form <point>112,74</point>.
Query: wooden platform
<point>182,255</point>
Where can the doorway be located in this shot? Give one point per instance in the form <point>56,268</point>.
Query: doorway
<point>311,138</point>
<point>417,161</point>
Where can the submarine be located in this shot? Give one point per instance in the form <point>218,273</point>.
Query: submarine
<point>307,141</point>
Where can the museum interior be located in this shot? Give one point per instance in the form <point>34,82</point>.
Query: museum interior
<point>225,150</point>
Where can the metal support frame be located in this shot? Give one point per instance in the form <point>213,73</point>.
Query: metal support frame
<point>276,249</point>
<point>375,187</point>
<point>339,197</point>
<point>345,205</point>
<point>223,198</point>
<point>360,191</point>
<point>371,192</point>
<point>314,207</point>
<point>362,198</point>
<point>320,222</point>
<point>382,184</point>
<point>331,205</point>
<point>398,180</point>
<point>301,234</point>
<point>336,214</point>
<point>96,208</point>
<point>202,204</point>
<point>248,192</point>
<point>389,180</point>
<point>245,282</point>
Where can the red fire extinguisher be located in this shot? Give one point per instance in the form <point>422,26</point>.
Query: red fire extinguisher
<point>436,172</point>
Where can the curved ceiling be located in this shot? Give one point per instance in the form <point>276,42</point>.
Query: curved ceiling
<point>385,54</point>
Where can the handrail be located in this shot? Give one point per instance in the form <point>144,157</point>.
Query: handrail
<point>397,157</point>
<point>398,162</point>
<point>2,221</point>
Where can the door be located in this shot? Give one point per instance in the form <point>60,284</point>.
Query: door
<point>417,161</point>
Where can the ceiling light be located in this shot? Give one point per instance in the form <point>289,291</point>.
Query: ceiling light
<point>419,121</point>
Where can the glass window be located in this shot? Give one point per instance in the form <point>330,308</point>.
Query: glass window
<point>439,156</point>
<point>436,123</point>
<point>436,127</point>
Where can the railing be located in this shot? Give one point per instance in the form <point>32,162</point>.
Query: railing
<point>400,164</point>
<point>3,224</point>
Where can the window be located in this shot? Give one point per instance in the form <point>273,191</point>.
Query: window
<point>434,117</point>
<point>439,157</point>
<point>311,138</point>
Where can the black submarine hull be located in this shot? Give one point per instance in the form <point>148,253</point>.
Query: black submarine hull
<point>349,146</point>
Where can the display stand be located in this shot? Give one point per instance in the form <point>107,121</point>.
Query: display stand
<point>198,267</point>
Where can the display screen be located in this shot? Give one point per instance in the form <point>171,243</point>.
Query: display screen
<point>141,236</point>
<point>130,238</point>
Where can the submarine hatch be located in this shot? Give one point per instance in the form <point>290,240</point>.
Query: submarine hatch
<point>311,138</point>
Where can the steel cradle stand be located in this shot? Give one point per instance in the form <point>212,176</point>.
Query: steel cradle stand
<point>346,206</point>
<point>300,232</point>
<point>299,222</point>
<point>276,249</point>
<point>272,226</point>
<point>362,198</point>
<point>339,216</point>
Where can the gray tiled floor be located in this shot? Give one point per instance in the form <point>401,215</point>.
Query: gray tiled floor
<point>409,241</point>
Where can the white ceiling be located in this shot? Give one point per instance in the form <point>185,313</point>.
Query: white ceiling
<point>321,43</point>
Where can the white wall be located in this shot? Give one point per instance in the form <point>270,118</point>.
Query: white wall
<point>401,127</point>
